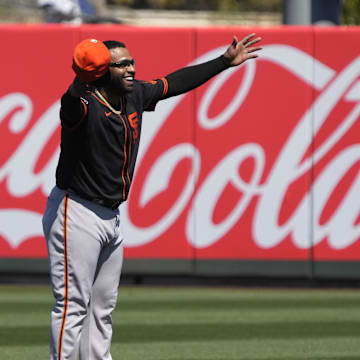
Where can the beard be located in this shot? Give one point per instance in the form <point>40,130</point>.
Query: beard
<point>117,86</point>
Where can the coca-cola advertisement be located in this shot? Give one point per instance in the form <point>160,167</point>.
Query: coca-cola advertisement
<point>261,163</point>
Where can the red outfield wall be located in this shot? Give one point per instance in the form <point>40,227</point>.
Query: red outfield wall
<point>258,169</point>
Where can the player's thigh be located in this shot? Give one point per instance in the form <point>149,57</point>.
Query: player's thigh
<point>86,234</point>
<point>74,242</point>
<point>108,274</point>
<point>53,212</point>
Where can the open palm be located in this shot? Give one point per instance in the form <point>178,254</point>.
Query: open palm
<point>240,51</point>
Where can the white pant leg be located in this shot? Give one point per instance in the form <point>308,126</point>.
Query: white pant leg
<point>97,331</point>
<point>75,236</point>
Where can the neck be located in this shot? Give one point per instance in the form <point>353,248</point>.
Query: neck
<point>113,99</point>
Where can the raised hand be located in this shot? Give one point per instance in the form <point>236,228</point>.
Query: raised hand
<point>78,88</point>
<point>240,51</point>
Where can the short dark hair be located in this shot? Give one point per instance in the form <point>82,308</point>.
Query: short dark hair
<point>112,44</point>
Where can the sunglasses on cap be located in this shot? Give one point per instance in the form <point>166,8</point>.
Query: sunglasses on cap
<point>123,64</point>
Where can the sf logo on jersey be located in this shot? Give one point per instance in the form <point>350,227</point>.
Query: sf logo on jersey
<point>134,121</point>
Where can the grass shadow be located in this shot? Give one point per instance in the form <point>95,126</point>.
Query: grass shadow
<point>148,333</point>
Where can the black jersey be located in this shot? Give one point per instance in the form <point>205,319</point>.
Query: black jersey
<point>99,145</point>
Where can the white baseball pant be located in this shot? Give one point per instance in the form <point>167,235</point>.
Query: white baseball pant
<point>85,253</point>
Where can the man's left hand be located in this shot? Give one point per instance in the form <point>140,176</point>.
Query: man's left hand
<point>240,51</point>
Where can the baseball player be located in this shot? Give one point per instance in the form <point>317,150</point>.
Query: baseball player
<point>101,115</point>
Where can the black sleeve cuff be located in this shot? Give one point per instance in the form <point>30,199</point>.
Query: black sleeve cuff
<point>225,61</point>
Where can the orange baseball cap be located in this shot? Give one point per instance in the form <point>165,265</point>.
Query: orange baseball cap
<point>91,60</point>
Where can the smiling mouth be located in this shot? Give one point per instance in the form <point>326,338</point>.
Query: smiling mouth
<point>129,79</point>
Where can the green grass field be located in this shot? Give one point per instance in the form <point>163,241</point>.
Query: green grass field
<point>199,323</point>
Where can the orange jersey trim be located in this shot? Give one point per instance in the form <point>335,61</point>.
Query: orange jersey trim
<point>74,126</point>
<point>127,170</point>
<point>166,86</point>
<point>85,111</point>
<point>125,157</point>
<point>98,99</point>
<point>66,278</point>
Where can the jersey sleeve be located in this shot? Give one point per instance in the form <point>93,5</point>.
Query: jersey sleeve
<point>72,111</point>
<point>152,92</point>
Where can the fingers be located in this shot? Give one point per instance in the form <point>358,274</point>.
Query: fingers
<point>246,39</point>
<point>240,51</point>
<point>250,50</point>
<point>252,42</point>
<point>235,42</point>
